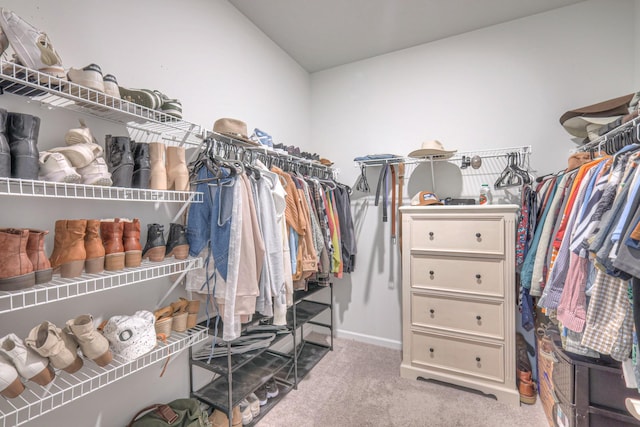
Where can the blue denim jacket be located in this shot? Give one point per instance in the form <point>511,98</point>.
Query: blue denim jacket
<point>209,222</point>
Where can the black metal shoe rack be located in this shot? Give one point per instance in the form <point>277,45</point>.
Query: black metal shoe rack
<point>239,375</point>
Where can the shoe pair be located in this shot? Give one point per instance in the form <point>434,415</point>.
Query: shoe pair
<point>267,391</point>
<point>178,316</point>
<point>249,408</point>
<point>153,100</point>
<point>176,246</point>
<point>80,161</point>
<point>220,419</point>
<point>91,76</point>
<point>32,47</point>
<point>17,360</point>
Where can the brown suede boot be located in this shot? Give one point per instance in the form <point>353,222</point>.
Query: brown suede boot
<point>68,254</point>
<point>38,257</point>
<point>158,168</point>
<point>16,270</point>
<point>177,172</point>
<point>111,231</point>
<point>131,242</point>
<point>93,246</point>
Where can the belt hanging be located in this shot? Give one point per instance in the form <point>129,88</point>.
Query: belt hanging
<point>393,203</point>
<point>381,179</point>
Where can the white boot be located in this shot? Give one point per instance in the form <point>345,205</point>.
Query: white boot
<point>10,384</point>
<point>50,341</point>
<point>29,364</point>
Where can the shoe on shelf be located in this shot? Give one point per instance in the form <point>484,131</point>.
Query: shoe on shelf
<point>245,410</point>
<point>89,76</point>
<point>144,97</point>
<point>79,155</point>
<point>28,363</point>
<point>55,167</point>
<point>219,419</point>
<point>32,47</point>
<point>261,394</point>
<point>172,107</point>
<point>10,384</point>
<point>82,135</point>
<point>111,85</point>
<point>254,404</point>
<point>96,173</point>
<point>272,388</point>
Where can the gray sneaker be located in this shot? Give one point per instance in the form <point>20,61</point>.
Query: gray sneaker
<point>32,47</point>
<point>272,388</point>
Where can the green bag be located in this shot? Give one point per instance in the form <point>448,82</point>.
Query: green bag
<point>178,413</point>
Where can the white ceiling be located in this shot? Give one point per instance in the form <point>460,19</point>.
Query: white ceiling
<point>321,34</point>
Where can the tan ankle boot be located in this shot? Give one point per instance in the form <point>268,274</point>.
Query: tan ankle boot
<point>16,270</point>
<point>50,341</point>
<point>158,168</point>
<point>131,243</point>
<point>177,172</point>
<point>93,344</point>
<point>93,247</point>
<point>38,257</point>
<point>69,254</point>
<point>111,231</point>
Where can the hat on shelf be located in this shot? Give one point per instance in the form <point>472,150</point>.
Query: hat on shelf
<point>233,128</point>
<point>131,336</point>
<point>325,162</point>
<point>578,159</point>
<point>432,148</point>
<point>582,122</point>
<point>425,198</point>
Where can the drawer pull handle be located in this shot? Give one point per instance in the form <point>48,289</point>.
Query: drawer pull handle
<point>431,234</point>
<point>432,311</point>
<point>431,272</point>
<point>431,350</point>
<point>478,235</point>
<point>478,276</point>
<point>478,317</point>
<point>477,359</point>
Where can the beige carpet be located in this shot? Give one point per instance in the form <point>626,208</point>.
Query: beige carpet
<point>359,385</point>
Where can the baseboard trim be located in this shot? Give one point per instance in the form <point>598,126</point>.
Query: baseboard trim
<point>369,339</point>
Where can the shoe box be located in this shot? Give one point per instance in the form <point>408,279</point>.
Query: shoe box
<point>545,385</point>
<point>589,392</point>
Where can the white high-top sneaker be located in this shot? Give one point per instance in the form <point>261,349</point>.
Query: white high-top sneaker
<point>10,384</point>
<point>55,167</point>
<point>28,363</point>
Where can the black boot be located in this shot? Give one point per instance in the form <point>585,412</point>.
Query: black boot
<point>5,152</point>
<point>177,244</point>
<point>141,165</point>
<point>119,160</point>
<point>154,250</point>
<point>22,132</point>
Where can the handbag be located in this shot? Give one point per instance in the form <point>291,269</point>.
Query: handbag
<point>177,413</point>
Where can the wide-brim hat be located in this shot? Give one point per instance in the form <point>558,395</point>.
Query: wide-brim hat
<point>602,113</point>
<point>432,148</point>
<point>326,162</point>
<point>233,128</point>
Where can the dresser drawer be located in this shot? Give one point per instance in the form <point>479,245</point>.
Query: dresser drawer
<point>458,355</point>
<point>482,235</point>
<point>483,276</point>
<point>474,317</point>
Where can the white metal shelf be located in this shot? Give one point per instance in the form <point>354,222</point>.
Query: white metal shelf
<point>484,154</point>
<point>60,289</point>
<point>27,187</point>
<point>58,93</point>
<point>65,388</point>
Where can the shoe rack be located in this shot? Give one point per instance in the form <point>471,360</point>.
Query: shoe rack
<point>51,92</point>
<point>238,375</point>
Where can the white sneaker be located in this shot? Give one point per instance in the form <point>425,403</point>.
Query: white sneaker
<point>83,135</point>
<point>245,410</point>
<point>111,85</point>
<point>32,46</point>
<point>89,76</point>
<point>96,173</point>
<point>28,363</point>
<point>56,168</point>
<point>254,404</point>
<point>80,155</point>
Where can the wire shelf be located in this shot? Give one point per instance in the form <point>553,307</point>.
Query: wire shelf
<point>65,388</point>
<point>61,93</point>
<point>27,187</point>
<point>484,154</point>
<point>60,289</point>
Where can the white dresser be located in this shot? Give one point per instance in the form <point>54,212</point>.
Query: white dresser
<point>459,297</point>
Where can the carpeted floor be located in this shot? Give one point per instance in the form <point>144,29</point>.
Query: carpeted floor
<point>360,385</point>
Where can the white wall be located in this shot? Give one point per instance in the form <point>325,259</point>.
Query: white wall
<point>502,86</point>
<point>219,65</point>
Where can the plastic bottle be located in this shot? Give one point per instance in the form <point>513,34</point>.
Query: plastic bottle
<point>485,195</point>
